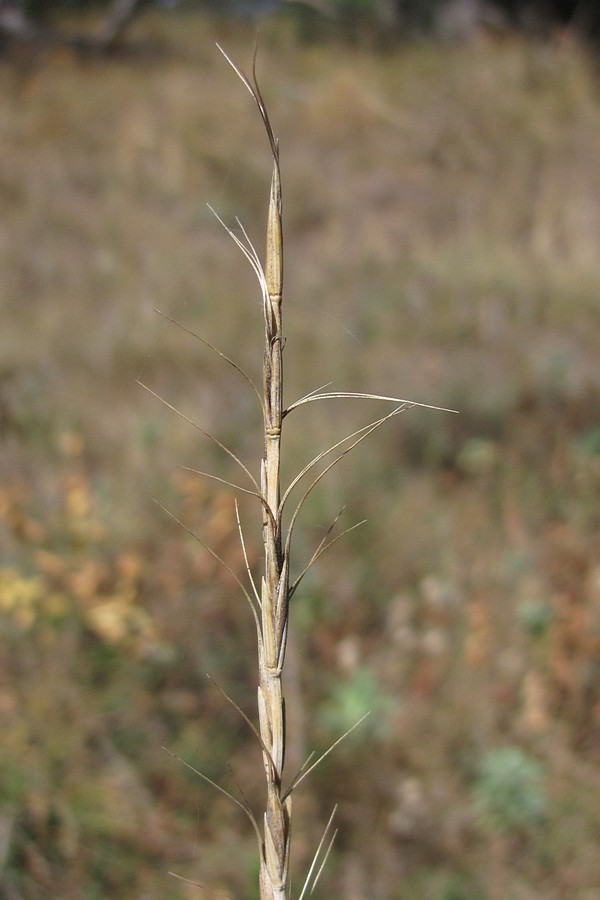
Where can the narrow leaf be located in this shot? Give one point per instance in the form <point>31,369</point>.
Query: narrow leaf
<point>220,560</point>
<point>207,434</point>
<point>365,430</point>
<point>218,788</point>
<point>365,433</point>
<point>200,885</point>
<point>246,719</point>
<point>317,853</point>
<point>223,356</point>
<point>319,552</point>
<point>243,543</point>
<point>354,395</point>
<point>324,863</point>
<point>300,777</point>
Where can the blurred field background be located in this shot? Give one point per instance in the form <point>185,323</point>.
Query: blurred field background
<point>442,218</point>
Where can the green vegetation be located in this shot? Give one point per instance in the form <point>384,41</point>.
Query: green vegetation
<point>442,220</point>
<point>510,790</point>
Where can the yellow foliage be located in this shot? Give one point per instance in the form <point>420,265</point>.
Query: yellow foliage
<point>19,595</point>
<point>109,620</point>
<point>116,619</point>
<point>26,597</point>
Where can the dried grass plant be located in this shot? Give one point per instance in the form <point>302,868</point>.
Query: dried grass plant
<point>269,600</point>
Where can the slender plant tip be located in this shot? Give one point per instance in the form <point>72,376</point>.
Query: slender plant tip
<point>268,592</point>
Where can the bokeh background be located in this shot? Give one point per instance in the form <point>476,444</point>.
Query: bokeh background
<point>442,224</point>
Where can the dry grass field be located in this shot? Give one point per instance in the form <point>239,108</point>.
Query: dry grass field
<point>442,224</point>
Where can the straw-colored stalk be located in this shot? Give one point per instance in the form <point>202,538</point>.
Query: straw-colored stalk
<point>275,855</point>
<point>270,603</point>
